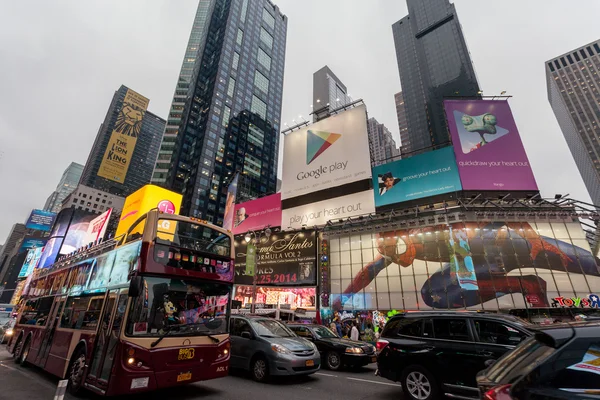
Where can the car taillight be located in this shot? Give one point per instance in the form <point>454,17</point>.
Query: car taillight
<point>381,344</point>
<point>498,393</point>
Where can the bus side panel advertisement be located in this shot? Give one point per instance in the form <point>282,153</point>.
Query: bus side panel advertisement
<point>282,259</point>
<point>423,175</point>
<point>123,139</point>
<point>145,199</point>
<point>257,214</point>
<point>487,145</point>
<point>487,265</point>
<point>40,220</point>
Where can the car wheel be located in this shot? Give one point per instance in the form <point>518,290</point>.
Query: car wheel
<point>17,350</point>
<point>419,384</point>
<point>260,369</point>
<point>333,361</point>
<point>24,353</point>
<point>76,372</point>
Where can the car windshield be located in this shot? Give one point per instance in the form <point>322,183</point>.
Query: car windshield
<point>179,307</point>
<point>324,333</point>
<point>271,328</point>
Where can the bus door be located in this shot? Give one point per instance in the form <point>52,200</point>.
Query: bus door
<point>107,338</point>
<point>50,329</point>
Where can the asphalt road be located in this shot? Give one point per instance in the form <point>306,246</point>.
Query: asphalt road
<point>31,383</point>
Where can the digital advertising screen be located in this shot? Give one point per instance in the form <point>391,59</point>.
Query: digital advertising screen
<point>257,214</point>
<point>40,220</point>
<point>487,145</point>
<point>423,175</point>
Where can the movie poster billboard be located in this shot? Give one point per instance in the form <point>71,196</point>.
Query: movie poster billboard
<point>230,203</point>
<point>257,214</point>
<point>330,153</point>
<point>31,260</point>
<point>488,148</point>
<point>123,139</point>
<point>40,220</point>
<point>282,259</point>
<point>413,178</point>
<point>475,265</point>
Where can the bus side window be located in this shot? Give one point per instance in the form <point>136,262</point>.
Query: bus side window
<point>36,311</point>
<point>82,312</point>
<point>28,314</point>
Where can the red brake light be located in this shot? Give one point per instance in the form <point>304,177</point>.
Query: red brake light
<point>498,393</point>
<point>381,344</point>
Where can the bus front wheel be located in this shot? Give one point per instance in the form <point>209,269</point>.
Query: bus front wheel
<point>77,372</point>
<point>17,350</point>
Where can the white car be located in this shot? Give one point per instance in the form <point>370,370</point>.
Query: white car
<point>6,331</point>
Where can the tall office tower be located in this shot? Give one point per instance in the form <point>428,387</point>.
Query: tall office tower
<point>329,93</point>
<point>194,47</point>
<point>402,123</point>
<point>124,153</point>
<point>434,63</point>
<point>17,233</point>
<point>68,182</point>
<point>240,67</point>
<point>382,144</point>
<point>573,91</point>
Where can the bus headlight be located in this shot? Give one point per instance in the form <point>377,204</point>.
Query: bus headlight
<point>9,332</point>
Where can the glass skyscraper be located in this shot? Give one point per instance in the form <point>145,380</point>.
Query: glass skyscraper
<point>239,67</point>
<point>434,63</point>
<point>143,158</point>
<point>68,182</point>
<point>574,94</point>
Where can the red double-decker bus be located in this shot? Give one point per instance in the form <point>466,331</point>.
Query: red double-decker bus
<point>148,311</point>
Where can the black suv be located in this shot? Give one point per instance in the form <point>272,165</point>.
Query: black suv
<point>559,362</point>
<point>440,353</point>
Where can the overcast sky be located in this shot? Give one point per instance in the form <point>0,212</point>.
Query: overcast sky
<point>62,60</point>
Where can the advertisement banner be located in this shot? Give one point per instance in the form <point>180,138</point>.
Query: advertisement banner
<point>316,214</point>
<point>33,256</point>
<point>230,203</point>
<point>257,214</point>
<point>85,230</point>
<point>283,259</point>
<point>423,175</point>
<point>271,297</point>
<point>30,243</point>
<point>329,153</point>
<point>123,139</point>
<point>487,145</point>
<point>40,220</point>
<point>145,199</point>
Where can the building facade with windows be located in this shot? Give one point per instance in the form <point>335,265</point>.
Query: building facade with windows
<point>143,158</point>
<point>68,182</point>
<point>434,62</point>
<point>239,68</point>
<point>573,83</point>
<point>382,144</point>
<point>93,200</point>
<point>329,93</point>
<point>402,122</point>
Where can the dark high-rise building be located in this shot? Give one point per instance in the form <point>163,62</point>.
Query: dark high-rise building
<point>68,182</point>
<point>239,68</point>
<point>329,93</point>
<point>9,249</point>
<point>143,158</point>
<point>402,123</point>
<point>434,63</point>
<point>574,94</point>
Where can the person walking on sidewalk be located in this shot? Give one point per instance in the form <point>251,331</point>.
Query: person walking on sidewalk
<point>354,332</point>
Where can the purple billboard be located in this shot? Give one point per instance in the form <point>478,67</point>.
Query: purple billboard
<point>487,145</point>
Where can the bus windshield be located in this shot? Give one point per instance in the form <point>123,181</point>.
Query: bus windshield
<point>192,236</point>
<point>179,307</point>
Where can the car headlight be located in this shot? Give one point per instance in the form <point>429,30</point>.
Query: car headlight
<point>354,350</point>
<point>277,348</point>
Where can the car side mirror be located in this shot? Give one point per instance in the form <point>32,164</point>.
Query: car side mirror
<point>246,335</point>
<point>135,286</point>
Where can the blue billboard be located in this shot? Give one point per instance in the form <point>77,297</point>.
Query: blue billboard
<point>423,175</point>
<point>40,220</point>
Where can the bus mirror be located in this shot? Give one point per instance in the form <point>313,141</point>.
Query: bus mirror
<point>135,286</point>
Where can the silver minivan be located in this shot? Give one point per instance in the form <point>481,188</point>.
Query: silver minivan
<point>267,347</point>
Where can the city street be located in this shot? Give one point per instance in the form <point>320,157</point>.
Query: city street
<point>33,384</point>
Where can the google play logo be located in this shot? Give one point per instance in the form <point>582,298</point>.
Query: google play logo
<point>317,142</point>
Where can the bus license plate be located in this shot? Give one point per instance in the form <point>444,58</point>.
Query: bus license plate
<point>186,354</point>
<point>184,376</point>
<point>310,363</point>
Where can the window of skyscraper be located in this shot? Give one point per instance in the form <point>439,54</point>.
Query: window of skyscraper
<point>236,61</point>
<point>240,37</point>
<point>230,87</point>
<point>266,38</point>
<point>226,114</point>
<point>261,82</point>
<point>259,107</point>
<point>264,59</point>
<point>255,136</point>
<point>244,10</point>
<point>268,18</point>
